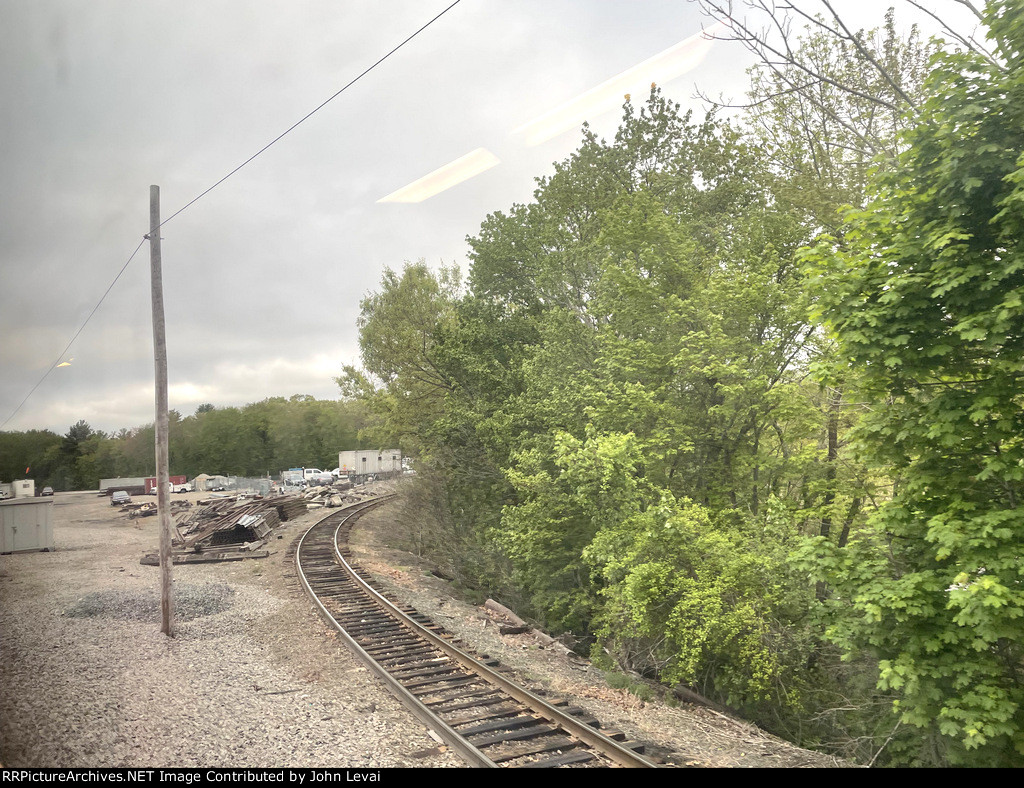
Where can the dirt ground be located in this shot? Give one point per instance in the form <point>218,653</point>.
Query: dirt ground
<point>298,644</point>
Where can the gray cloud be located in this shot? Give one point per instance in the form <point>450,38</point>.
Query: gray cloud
<point>263,276</point>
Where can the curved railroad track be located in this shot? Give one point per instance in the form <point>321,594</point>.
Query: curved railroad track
<point>481,714</point>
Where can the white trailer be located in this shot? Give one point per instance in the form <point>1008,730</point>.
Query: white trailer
<point>23,488</point>
<point>364,465</point>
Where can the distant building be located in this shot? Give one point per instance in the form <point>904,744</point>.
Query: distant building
<point>205,482</point>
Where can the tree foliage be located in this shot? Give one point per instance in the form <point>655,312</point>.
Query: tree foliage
<point>925,299</point>
<point>828,107</point>
<point>253,440</point>
<point>631,342</point>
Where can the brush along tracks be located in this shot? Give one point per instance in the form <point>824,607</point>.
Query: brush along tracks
<point>481,714</point>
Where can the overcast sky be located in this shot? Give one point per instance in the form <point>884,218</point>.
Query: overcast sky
<point>263,275</point>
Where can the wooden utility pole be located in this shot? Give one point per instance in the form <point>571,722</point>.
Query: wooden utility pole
<point>163,496</point>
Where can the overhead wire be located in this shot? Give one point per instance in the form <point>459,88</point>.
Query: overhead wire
<point>206,191</point>
<point>310,114</point>
<point>81,328</point>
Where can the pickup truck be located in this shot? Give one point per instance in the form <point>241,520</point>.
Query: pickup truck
<point>174,488</point>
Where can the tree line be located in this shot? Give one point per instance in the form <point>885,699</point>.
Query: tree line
<point>253,440</point>
<point>735,405</point>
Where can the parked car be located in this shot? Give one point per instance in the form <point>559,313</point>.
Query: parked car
<point>47,491</point>
<point>120,497</point>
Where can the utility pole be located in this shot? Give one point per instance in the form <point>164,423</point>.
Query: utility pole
<point>163,496</point>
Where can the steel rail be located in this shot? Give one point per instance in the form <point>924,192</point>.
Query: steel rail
<point>471,754</point>
<point>623,756</point>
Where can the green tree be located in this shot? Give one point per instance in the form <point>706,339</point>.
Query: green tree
<point>398,332</point>
<point>594,485</point>
<point>77,452</point>
<point>646,304</point>
<point>29,453</point>
<point>834,109</point>
<point>926,298</point>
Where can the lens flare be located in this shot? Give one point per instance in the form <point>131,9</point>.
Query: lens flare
<point>673,62</point>
<point>443,178</point>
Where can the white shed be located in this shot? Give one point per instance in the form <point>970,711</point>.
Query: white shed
<point>26,524</point>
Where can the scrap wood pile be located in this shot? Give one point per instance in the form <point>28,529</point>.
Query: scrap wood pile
<point>290,507</point>
<point>228,528</point>
<point>236,521</point>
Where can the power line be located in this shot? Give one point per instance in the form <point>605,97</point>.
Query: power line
<point>309,114</point>
<point>202,194</point>
<point>56,361</point>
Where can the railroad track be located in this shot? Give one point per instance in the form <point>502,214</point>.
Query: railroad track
<point>482,715</point>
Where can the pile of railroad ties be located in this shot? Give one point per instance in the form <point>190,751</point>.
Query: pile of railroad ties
<point>233,527</point>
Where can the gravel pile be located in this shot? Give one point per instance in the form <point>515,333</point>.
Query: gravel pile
<point>251,678</point>
<point>191,601</point>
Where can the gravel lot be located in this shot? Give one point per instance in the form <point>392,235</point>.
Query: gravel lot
<point>252,677</point>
